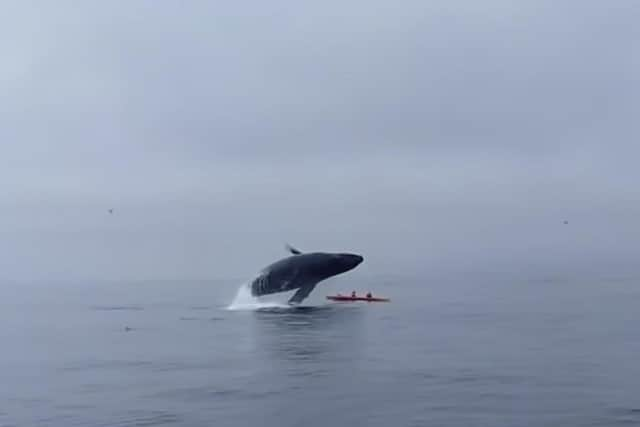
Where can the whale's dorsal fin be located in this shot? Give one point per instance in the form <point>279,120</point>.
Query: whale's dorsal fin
<point>293,250</point>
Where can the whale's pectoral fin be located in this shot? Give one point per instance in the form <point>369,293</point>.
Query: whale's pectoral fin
<point>293,250</point>
<point>301,293</point>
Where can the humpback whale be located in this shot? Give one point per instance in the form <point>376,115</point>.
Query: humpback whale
<point>302,271</point>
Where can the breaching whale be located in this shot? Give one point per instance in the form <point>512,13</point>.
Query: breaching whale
<point>302,271</point>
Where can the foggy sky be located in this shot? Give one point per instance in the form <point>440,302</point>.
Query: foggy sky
<point>427,136</point>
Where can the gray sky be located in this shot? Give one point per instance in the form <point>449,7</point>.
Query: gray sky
<point>428,136</point>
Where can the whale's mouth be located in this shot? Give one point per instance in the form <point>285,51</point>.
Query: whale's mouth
<point>351,261</point>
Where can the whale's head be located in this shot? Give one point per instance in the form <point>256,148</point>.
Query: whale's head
<point>341,263</point>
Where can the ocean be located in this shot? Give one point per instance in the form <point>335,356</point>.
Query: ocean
<point>474,350</point>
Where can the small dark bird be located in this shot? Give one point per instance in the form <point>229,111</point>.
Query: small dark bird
<point>110,211</point>
<point>566,222</point>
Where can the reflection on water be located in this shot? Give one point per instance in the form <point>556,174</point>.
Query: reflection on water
<point>315,335</point>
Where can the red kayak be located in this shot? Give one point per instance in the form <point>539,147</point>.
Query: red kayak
<point>350,298</point>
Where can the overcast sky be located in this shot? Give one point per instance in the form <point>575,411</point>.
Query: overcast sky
<point>425,135</point>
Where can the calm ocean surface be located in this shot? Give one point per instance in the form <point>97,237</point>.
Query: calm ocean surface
<point>474,351</point>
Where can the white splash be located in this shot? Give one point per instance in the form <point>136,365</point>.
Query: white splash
<point>245,301</point>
